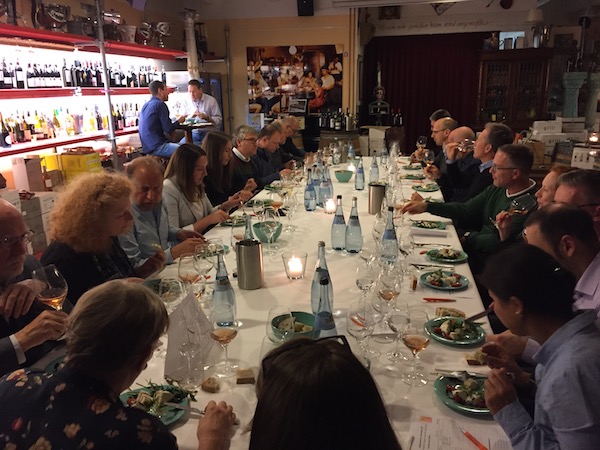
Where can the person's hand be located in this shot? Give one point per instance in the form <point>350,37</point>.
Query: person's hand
<point>499,390</point>
<point>417,155</point>
<point>187,246</point>
<point>413,207</point>
<point>181,119</point>
<point>285,173</point>
<point>218,216</point>
<point>452,151</point>
<point>432,172</point>
<point>184,234</point>
<point>48,326</point>
<point>215,429</point>
<point>416,197</point>
<point>290,164</point>
<point>246,195</point>
<point>503,224</point>
<point>513,344</point>
<point>16,300</point>
<point>250,185</point>
<point>153,264</point>
<point>500,358</point>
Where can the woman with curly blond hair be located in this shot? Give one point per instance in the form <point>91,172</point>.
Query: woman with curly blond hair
<point>89,215</point>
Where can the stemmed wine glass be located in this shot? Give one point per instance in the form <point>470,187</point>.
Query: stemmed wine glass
<point>421,142</point>
<point>55,286</point>
<point>387,291</point>
<point>187,271</point>
<point>291,203</point>
<point>406,247</point>
<point>224,331</point>
<point>417,340</point>
<point>428,157</point>
<point>190,346</point>
<point>258,207</point>
<point>171,292</point>
<point>519,206</point>
<point>365,278</point>
<point>360,324</point>
<point>280,324</point>
<point>397,321</point>
<point>269,227</point>
<point>203,262</point>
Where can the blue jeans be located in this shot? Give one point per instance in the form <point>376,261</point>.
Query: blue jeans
<point>197,136</point>
<point>165,150</point>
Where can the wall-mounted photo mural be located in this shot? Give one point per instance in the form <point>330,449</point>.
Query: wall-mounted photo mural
<point>295,79</point>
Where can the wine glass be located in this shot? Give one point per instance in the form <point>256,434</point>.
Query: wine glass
<point>368,254</point>
<point>520,206</point>
<point>258,207</point>
<point>378,227</point>
<point>189,347</point>
<point>406,247</point>
<point>360,325</point>
<point>55,286</point>
<point>203,261</point>
<point>365,278</point>
<point>397,321</point>
<point>291,204</point>
<point>417,340</point>
<point>223,318</point>
<point>187,271</point>
<point>269,227</point>
<point>428,157</point>
<point>280,324</point>
<point>421,143</point>
<point>387,291</point>
<point>235,236</point>
<point>171,291</point>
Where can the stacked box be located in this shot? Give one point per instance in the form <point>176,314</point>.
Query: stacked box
<point>573,124</point>
<point>27,173</point>
<point>547,126</point>
<point>82,163</point>
<point>12,197</point>
<point>36,213</point>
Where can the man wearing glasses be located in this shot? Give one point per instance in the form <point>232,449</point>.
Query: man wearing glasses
<point>291,126</point>
<point>243,168</point>
<point>581,188</point>
<point>26,323</point>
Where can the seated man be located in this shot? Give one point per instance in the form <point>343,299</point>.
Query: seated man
<point>510,174</point>
<point>461,166</point>
<point>582,189</point>
<point>204,107</point>
<point>26,323</point>
<point>241,165</point>
<point>440,134</point>
<point>151,237</point>
<point>290,127</point>
<point>156,127</point>
<point>268,143</point>
<point>280,159</point>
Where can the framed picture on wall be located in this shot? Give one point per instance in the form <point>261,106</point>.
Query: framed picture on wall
<point>562,39</point>
<point>297,106</point>
<point>389,12</point>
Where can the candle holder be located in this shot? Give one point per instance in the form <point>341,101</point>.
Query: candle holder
<point>329,206</point>
<point>294,264</point>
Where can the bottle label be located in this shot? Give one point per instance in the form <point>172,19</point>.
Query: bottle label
<point>324,321</point>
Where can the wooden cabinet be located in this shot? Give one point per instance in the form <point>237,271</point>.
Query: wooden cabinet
<point>513,86</point>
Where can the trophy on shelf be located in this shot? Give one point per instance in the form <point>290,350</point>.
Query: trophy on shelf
<point>162,29</point>
<point>146,32</point>
<point>52,16</point>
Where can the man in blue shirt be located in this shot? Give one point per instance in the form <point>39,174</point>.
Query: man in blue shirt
<point>155,124</point>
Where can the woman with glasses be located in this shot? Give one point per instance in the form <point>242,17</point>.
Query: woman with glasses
<point>217,183</point>
<point>533,296</point>
<point>315,395</point>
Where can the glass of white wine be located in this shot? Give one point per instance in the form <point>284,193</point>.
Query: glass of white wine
<point>416,339</point>
<point>224,331</point>
<point>186,270</point>
<point>55,286</point>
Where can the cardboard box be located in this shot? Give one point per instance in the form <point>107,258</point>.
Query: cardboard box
<point>547,126</point>
<point>87,162</point>
<point>47,200</point>
<point>51,161</point>
<point>46,219</point>
<point>12,197</point>
<point>39,243</point>
<point>27,173</point>
<point>577,136</point>
<point>376,138</point>
<point>31,208</point>
<point>573,124</point>
<point>539,152</point>
<point>581,158</point>
<point>71,174</point>
<point>549,139</point>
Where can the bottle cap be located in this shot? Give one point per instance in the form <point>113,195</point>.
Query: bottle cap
<point>390,208</point>
<point>324,281</point>
<point>339,196</point>
<point>321,243</point>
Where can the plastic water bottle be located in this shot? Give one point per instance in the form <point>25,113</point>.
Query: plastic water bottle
<point>354,239</point>
<point>310,197</point>
<point>324,322</point>
<point>359,177</point>
<point>223,293</point>
<point>374,170</point>
<point>389,242</point>
<point>321,273</point>
<point>338,228</point>
<point>316,182</point>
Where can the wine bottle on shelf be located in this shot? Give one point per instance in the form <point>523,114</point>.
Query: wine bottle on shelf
<point>389,242</point>
<point>338,227</point>
<point>310,198</point>
<point>5,141</point>
<point>223,293</point>
<point>8,83</point>
<point>321,273</point>
<point>19,76</point>
<point>46,179</point>
<point>374,170</point>
<point>354,239</point>
<point>324,321</point>
<point>2,86</point>
<point>359,176</point>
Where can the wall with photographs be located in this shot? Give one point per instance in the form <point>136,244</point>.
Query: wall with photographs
<point>295,79</point>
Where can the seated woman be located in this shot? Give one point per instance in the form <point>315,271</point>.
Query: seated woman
<point>318,387</point>
<point>533,296</point>
<point>217,183</point>
<point>112,333</point>
<point>187,205</point>
<point>89,215</point>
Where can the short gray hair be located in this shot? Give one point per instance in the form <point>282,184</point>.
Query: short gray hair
<point>242,131</point>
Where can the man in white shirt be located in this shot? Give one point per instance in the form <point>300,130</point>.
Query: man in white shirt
<point>202,106</point>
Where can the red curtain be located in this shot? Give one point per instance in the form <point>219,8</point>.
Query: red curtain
<point>424,73</point>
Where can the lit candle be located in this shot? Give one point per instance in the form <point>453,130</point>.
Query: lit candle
<point>330,206</point>
<point>295,269</point>
<point>351,167</point>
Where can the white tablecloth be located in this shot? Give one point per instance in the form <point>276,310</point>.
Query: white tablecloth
<point>253,307</point>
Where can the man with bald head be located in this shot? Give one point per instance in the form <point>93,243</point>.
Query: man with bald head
<point>461,166</point>
<point>26,322</point>
<point>440,132</point>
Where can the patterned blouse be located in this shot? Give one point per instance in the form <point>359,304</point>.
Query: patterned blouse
<point>70,410</point>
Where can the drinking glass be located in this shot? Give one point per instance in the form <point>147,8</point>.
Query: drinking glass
<point>365,278</point>
<point>284,328</point>
<point>55,286</point>
<point>406,247</point>
<point>291,204</point>
<point>187,271</point>
<point>368,254</point>
<point>204,263</point>
<point>387,290</point>
<point>190,346</point>
<point>236,235</point>
<point>397,321</point>
<point>421,142</point>
<point>519,206</point>
<point>171,292</point>
<point>224,331</point>
<point>269,227</point>
<point>416,340</point>
<point>360,325</point>
<point>428,157</point>
<point>378,228</point>
<point>258,207</point>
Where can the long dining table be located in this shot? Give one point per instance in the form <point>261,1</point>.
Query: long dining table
<point>405,404</point>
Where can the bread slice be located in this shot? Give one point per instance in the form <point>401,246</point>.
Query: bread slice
<point>210,385</point>
<point>245,376</point>
<point>443,311</point>
<point>478,358</point>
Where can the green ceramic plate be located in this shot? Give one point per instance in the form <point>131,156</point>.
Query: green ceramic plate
<point>443,387</point>
<point>434,255</point>
<point>429,224</point>
<point>413,167</point>
<point>431,187</point>
<point>461,283</point>
<point>475,339</point>
<point>265,201</point>
<point>234,221</point>
<point>414,177</point>
<point>168,414</point>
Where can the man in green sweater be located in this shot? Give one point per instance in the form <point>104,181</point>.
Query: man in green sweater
<point>510,174</point>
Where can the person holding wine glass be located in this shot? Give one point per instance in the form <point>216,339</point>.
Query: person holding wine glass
<point>25,323</point>
<point>53,286</point>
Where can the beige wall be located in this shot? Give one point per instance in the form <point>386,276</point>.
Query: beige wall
<point>275,32</point>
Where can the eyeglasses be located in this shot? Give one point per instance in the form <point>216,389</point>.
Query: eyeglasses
<point>268,360</point>
<point>437,131</point>
<point>7,242</point>
<point>495,167</point>
<point>251,140</point>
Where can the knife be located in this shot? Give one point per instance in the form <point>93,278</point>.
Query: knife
<point>479,315</point>
<point>423,265</point>
<point>438,300</point>
<point>192,409</point>
<point>437,244</point>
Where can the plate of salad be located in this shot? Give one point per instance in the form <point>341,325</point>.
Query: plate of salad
<point>413,167</point>
<point>234,221</point>
<point>429,187</point>
<point>454,331</point>
<point>151,399</point>
<point>464,397</point>
<point>445,280</point>
<point>414,176</point>
<point>429,224</point>
<point>447,255</point>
